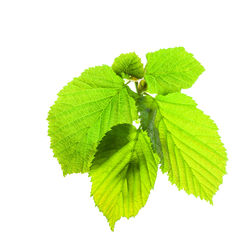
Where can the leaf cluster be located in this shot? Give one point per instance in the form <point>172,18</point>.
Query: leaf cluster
<point>91,130</point>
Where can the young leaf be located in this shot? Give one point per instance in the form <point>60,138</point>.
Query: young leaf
<point>123,172</point>
<point>170,70</point>
<point>192,152</point>
<point>127,65</point>
<point>85,110</point>
<point>147,107</point>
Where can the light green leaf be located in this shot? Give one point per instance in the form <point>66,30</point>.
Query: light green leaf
<point>85,110</point>
<point>127,65</point>
<point>147,107</point>
<point>123,172</point>
<point>170,70</point>
<point>192,152</point>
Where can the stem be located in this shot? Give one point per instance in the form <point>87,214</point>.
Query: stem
<point>136,86</point>
<point>127,82</point>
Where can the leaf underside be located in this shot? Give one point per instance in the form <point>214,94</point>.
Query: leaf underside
<point>170,70</point>
<point>147,108</point>
<point>85,110</point>
<point>123,172</point>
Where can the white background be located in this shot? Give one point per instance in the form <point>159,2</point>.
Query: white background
<point>43,45</point>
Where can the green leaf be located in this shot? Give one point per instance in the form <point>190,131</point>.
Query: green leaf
<point>85,110</point>
<point>170,70</point>
<point>123,172</point>
<point>193,154</point>
<point>147,107</point>
<point>127,65</point>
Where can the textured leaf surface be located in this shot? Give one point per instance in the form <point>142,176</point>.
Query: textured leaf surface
<point>147,107</point>
<point>128,65</point>
<point>170,70</point>
<point>123,172</point>
<point>85,110</point>
<point>193,154</point>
